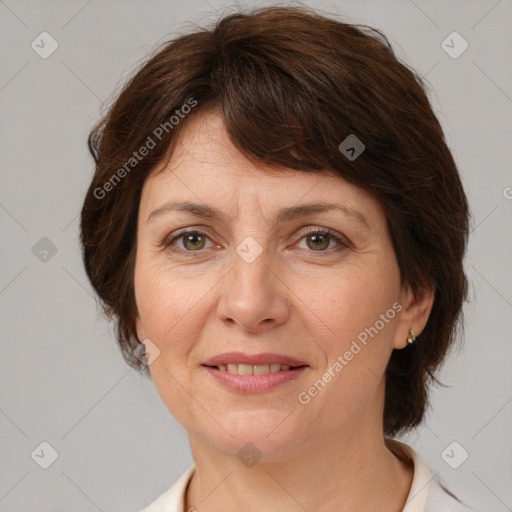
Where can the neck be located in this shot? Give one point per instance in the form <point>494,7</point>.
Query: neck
<point>354,471</point>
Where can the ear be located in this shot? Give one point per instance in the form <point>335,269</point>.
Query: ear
<point>141,333</point>
<point>416,308</point>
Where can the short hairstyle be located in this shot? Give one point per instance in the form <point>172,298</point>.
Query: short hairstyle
<point>291,85</point>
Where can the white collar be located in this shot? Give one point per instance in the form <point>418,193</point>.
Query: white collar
<point>424,492</point>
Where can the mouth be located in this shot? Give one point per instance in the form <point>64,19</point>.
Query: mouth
<point>255,369</point>
<point>254,373</point>
<point>253,364</point>
<point>259,378</point>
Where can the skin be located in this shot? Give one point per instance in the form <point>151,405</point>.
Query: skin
<point>293,299</point>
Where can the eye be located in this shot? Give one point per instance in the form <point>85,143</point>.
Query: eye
<point>187,241</point>
<point>318,240</point>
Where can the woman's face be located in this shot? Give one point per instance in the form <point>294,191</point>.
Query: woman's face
<point>255,282</point>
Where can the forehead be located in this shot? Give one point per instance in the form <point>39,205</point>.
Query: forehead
<point>204,144</point>
<point>206,167</point>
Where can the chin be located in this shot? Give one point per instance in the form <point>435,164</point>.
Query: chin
<point>269,436</point>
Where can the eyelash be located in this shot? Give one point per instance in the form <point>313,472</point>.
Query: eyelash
<point>168,243</point>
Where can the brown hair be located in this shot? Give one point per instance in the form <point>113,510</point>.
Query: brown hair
<point>292,84</point>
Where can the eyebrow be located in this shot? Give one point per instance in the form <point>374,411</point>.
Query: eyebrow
<point>285,214</point>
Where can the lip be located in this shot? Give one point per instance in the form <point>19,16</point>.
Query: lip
<point>241,358</point>
<point>255,383</point>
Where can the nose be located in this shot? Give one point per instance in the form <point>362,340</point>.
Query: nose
<point>253,295</point>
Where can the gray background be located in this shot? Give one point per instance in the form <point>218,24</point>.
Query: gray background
<point>62,378</point>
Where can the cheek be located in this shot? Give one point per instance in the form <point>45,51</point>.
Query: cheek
<point>168,314</point>
<point>154,290</point>
<point>355,332</point>
<point>350,301</point>
<point>171,307</point>
<point>356,314</point>
<point>157,301</point>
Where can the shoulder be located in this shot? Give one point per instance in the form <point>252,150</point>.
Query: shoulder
<point>173,499</point>
<point>441,500</point>
<point>426,494</point>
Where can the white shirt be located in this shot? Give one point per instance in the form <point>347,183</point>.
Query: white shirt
<point>425,494</point>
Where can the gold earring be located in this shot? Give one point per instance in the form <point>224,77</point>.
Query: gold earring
<point>411,337</point>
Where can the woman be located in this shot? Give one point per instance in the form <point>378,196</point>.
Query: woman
<point>275,217</point>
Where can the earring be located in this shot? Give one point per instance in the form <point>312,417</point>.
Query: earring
<point>411,337</point>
